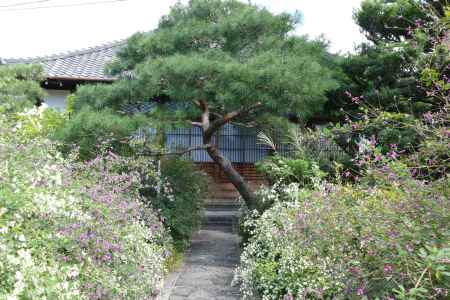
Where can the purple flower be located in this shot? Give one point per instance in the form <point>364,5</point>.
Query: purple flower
<point>419,23</point>
<point>356,100</point>
<point>409,31</point>
<point>360,291</point>
<point>391,176</point>
<point>392,154</point>
<point>388,269</point>
<point>428,117</point>
<point>288,296</point>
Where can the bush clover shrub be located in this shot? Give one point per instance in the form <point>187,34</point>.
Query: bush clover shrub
<point>74,230</point>
<point>388,240</point>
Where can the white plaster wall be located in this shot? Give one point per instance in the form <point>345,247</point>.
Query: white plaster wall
<point>57,99</point>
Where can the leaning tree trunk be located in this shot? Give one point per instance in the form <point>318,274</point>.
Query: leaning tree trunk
<point>209,129</point>
<point>235,178</point>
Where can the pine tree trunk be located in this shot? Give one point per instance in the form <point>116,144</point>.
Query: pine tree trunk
<point>235,178</point>
<point>212,127</point>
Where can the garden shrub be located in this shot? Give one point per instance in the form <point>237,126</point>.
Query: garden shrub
<point>388,128</point>
<point>176,192</point>
<point>74,230</point>
<point>91,131</point>
<point>180,201</point>
<point>306,163</point>
<point>388,240</point>
<point>312,154</point>
<point>19,87</point>
<point>287,170</point>
<point>38,122</point>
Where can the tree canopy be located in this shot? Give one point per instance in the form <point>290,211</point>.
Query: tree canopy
<point>384,73</point>
<point>19,87</point>
<point>220,61</point>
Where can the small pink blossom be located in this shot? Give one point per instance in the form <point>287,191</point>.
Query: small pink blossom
<point>388,269</point>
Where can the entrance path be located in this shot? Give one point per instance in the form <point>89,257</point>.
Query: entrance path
<point>209,264</point>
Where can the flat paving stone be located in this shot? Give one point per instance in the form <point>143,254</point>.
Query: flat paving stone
<point>208,267</point>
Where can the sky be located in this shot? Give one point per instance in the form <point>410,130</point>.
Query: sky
<point>35,32</point>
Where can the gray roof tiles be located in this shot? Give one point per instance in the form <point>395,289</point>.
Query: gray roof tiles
<point>86,64</point>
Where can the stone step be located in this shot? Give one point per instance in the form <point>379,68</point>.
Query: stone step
<point>224,217</point>
<point>222,206</point>
<point>222,202</point>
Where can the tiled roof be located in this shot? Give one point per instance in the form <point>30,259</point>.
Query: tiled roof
<point>86,64</point>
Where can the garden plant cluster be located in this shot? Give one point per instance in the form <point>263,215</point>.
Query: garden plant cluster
<point>90,210</point>
<point>377,227</point>
<point>81,229</point>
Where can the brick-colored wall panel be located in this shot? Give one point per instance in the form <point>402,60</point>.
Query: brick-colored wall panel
<point>221,188</point>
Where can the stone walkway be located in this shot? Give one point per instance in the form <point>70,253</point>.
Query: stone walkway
<point>208,267</point>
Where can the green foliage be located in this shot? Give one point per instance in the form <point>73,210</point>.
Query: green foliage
<point>71,230</point>
<point>386,128</point>
<point>385,75</point>
<point>91,131</point>
<point>389,21</point>
<point>378,76</point>
<point>287,170</point>
<point>19,87</point>
<point>228,53</point>
<point>393,84</point>
<point>388,240</point>
<point>383,235</point>
<point>218,61</point>
<point>181,201</point>
<point>110,97</point>
<point>313,154</point>
<point>38,122</point>
<point>70,107</point>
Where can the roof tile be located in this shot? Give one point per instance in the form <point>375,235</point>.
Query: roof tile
<point>86,64</point>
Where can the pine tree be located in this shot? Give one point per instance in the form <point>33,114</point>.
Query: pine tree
<point>220,62</point>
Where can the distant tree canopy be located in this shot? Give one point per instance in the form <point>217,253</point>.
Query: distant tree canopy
<point>385,72</point>
<point>220,62</point>
<point>19,87</point>
<point>386,86</point>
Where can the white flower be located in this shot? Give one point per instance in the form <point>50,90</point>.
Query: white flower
<point>3,211</point>
<point>74,272</point>
<point>25,255</point>
<point>21,238</point>
<point>4,230</point>
<point>19,286</point>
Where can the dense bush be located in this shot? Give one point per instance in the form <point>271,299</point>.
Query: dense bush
<point>37,122</point>
<point>91,131</point>
<point>385,233</point>
<point>387,128</point>
<point>19,87</point>
<point>180,198</point>
<point>388,240</point>
<point>311,154</point>
<point>72,230</point>
<point>287,170</point>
